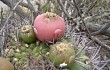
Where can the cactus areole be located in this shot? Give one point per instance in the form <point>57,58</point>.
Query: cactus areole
<point>49,27</point>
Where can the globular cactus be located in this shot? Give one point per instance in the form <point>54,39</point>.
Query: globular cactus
<point>62,53</point>
<point>49,27</point>
<point>27,34</point>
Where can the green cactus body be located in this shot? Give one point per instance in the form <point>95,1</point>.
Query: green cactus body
<point>32,45</point>
<point>60,53</point>
<point>41,48</point>
<point>23,49</point>
<point>17,55</point>
<point>27,34</point>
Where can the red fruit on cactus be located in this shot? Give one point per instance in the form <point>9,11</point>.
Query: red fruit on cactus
<point>49,27</point>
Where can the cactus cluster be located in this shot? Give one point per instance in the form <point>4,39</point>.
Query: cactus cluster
<point>20,55</point>
<point>48,27</point>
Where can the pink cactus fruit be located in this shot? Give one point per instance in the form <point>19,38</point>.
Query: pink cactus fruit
<point>49,27</point>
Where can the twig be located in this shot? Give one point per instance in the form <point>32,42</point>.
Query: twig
<point>95,54</point>
<point>93,39</point>
<point>89,34</point>
<point>1,15</point>
<point>96,17</point>
<point>18,9</point>
<point>17,4</point>
<point>30,6</point>
<point>91,6</point>
<point>24,4</point>
<point>39,6</point>
<point>101,68</point>
<point>101,44</point>
<point>63,9</point>
<point>82,49</point>
<point>95,27</point>
<point>9,16</point>
<point>103,29</point>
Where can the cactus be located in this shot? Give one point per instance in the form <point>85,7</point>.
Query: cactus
<point>41,48</point>
<point>27,34</point>
<point>62,53</point>
<point>49,27</point>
